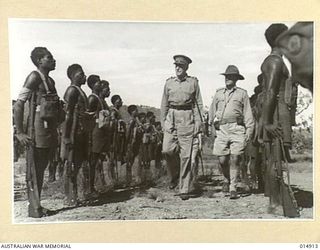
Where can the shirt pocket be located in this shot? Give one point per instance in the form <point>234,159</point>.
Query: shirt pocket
<point>238,105</point>
<point>220,104</point>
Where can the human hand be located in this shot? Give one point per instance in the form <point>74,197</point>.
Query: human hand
<point>247,138</point>
<point>24,139</point>
<point>67,142</point>
<point>274,130</point>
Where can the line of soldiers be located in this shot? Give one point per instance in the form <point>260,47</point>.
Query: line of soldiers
<point>90,132</point>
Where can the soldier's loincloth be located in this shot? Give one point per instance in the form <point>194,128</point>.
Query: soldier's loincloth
<point>45,137</point>
<point>101,140</point>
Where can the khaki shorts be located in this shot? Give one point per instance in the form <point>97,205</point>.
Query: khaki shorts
<point>230,140</point>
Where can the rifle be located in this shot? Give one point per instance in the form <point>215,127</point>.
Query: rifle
<point>114,145</point>
<point>200,153</point>
<point>289,203</point>
<point>34,207</point>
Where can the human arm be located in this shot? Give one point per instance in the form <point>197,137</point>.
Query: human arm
<point>31,84</point>
<point>248,117</point>
<point>271,70</point>
<point>93,103</point>
<point>212,113</point>
<point>71,97</point>
<point>164,105</point>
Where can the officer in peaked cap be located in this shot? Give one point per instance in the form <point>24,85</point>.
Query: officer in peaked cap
<point>181,108</point>
<point>230,114</point>
<point>181,60</point>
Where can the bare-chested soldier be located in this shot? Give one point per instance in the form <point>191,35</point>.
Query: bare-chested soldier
<point>275,115</point>
<point>36,88</point>
<point>76,130</point>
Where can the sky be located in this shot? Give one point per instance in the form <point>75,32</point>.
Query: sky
<point>136,57</point>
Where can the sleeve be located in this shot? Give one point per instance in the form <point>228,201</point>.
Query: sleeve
<point>198,105</point>
<point>247,113</point>
<point>212,110</point>
<point>164,104</point>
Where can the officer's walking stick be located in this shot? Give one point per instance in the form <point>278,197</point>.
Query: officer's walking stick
<point>200,138</point>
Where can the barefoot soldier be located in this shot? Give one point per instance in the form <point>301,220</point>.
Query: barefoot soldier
<point>277,124</point>
<point>133,141</point>
<point>41,139</point>
<point>118,144</point>
<point>75,137</point>
<point>101,133</point>
<point>181,123</point>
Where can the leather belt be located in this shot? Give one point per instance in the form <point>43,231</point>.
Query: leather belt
<point>181,107</point>
<point>228,120</point>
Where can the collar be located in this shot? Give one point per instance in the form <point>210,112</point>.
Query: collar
<point>183,79</point>
<point>231,90</point>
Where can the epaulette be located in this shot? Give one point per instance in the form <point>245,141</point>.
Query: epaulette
<point>170,78</point>
<point>242,89</point>
<point>220,89</point>
<point>193,77</point>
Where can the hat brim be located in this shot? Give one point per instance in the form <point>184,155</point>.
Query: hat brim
<point>240,77</point>
<point>175,63</point>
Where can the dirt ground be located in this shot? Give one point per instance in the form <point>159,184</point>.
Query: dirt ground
<point>157,202</point>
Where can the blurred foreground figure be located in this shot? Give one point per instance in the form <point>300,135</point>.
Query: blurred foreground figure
<point>277,124</point>
<point>297,45</point>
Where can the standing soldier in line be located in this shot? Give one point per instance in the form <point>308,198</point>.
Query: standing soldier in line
<point>230,113</point>
<point>253,154</point>
<point>276,114</point>
<point>39,89</point>
<point>133,141</point>
<point>75,134</point>
<point>118,148</point>
<point>141,170</point>
<point>153,138</point>
<point>101,134</point>
<point>158,148</point>
<point>95,105</point>
<point>180,107</point>
<point>146,140</point>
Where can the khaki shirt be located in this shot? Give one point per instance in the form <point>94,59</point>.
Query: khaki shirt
<point>181,92</point>
<point>238,104</point>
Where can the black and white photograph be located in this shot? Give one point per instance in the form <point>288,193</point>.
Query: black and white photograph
<point>137,120</point>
